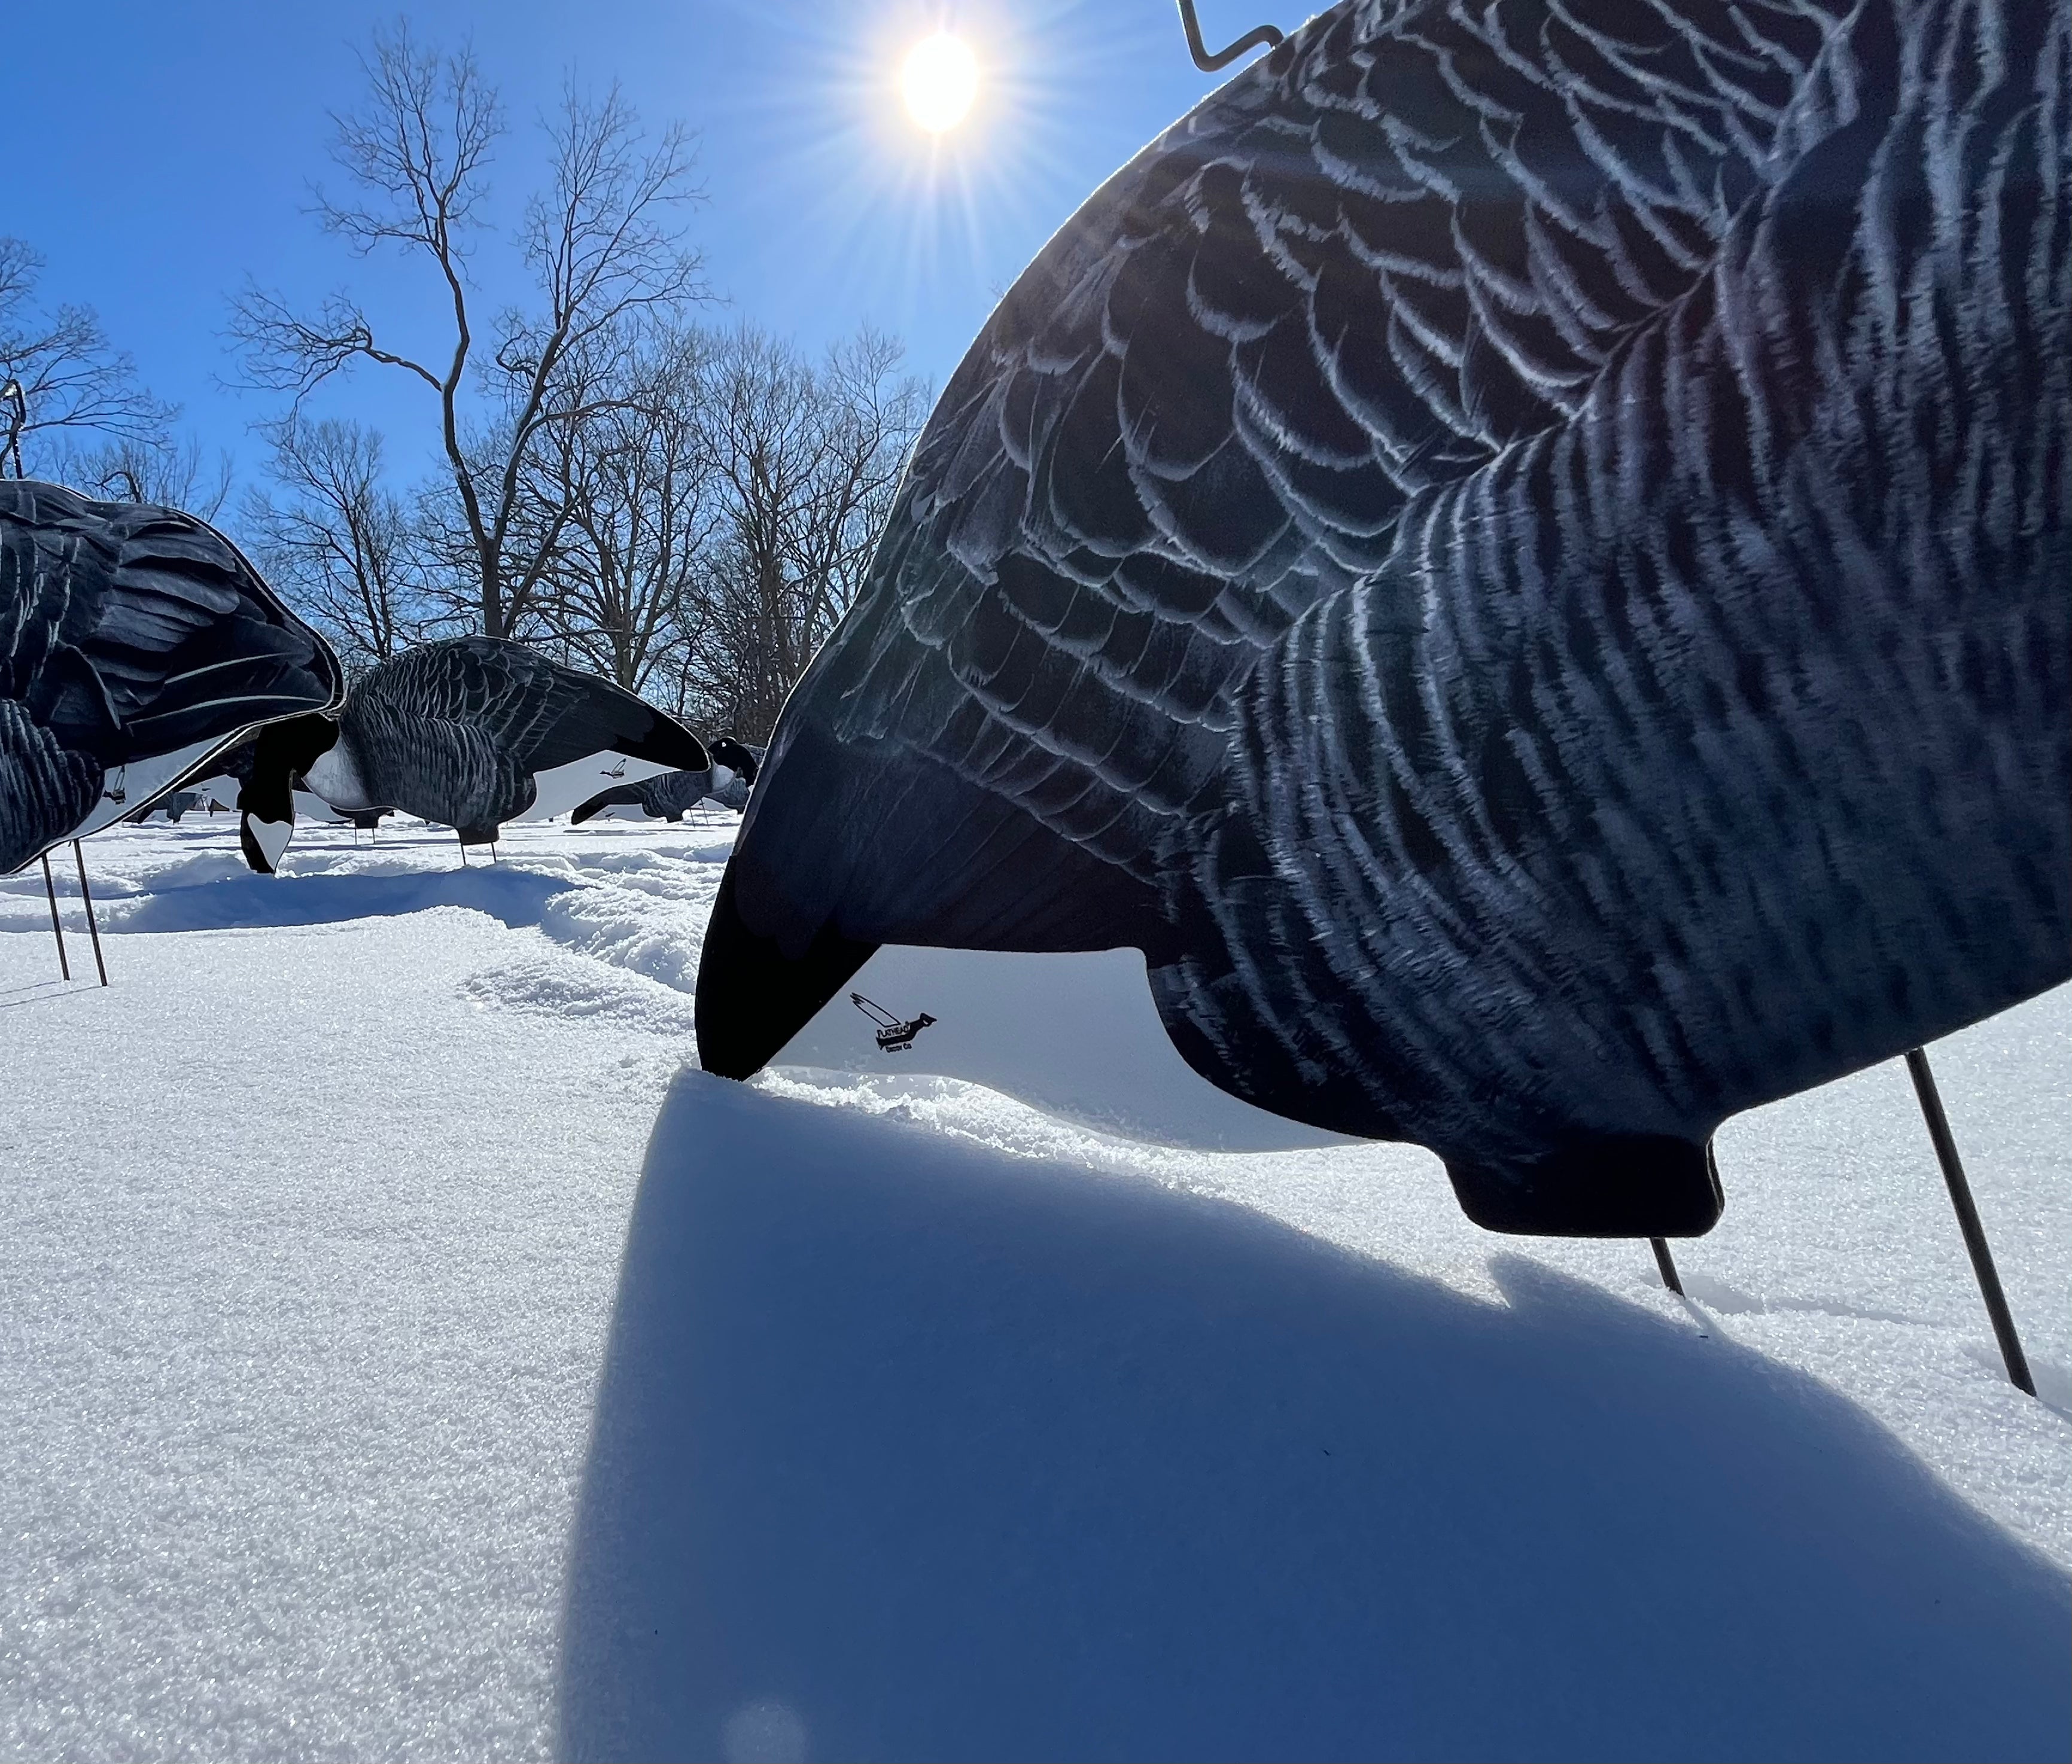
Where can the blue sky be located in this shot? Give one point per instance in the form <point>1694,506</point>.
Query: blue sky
<point>157,156</point>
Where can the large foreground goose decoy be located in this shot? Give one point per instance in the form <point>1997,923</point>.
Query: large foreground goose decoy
<point>1519,553</point>
<point>670,795</point>
<point>455,732</point>
<point>136,643</point>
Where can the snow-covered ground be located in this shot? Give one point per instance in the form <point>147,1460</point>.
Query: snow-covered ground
<point>405,1352</point>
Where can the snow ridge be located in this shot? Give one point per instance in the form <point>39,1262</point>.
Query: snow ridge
<point>409,1355</point>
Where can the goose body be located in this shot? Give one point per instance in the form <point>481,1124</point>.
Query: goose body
<point>455,732</point>
<point>135,643</point>
<point>669,796</point>
<point>1520,554</point>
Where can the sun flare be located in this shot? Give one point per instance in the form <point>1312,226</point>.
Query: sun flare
<point>938,81</point>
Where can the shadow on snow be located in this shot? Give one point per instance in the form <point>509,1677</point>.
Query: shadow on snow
<point>907,1449</point>
<point>224,896</point>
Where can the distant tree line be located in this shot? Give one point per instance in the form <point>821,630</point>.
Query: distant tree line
<point>684,507</point>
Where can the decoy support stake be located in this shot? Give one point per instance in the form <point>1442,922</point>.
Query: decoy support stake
<point>57,929</point>
<point>1662,1261</point>
<point>1265,36</point>
<point>1967,1221</point>
<point>86,894</point>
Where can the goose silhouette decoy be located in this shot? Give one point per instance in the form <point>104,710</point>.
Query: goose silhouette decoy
<point>452,731</point>
<point>174,806</point>
<point>136,644</point>
<point>668,796</point>
<point>1519,553</point>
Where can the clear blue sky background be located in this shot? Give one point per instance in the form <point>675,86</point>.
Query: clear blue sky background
<point>157,155</point>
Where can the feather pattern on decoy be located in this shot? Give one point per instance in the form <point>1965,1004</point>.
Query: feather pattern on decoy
<point>455,732</point>
<point>135,643</point>
<point>669,796</point>
<point>1520,553</point>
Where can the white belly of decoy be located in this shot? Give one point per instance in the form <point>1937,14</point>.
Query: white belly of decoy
<point>334,776</point>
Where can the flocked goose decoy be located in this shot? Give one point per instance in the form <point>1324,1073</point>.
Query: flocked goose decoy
<point>1520,554</point>
<point>452,731</point>
<point>136,644</point>
<point>668,796</point>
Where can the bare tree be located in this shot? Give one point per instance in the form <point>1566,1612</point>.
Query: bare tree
<point>869,415</point>
<point>175,474</point>
<point>336,540</point>
<point>809,457</point>
<point>642,509</point>
<point>597,242</point>
<point>60,378</point>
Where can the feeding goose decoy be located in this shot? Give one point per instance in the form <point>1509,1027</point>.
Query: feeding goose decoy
<point>452,731</point>
<point>669,795</point>
<point>1519,553</point>
<point>136,644</point>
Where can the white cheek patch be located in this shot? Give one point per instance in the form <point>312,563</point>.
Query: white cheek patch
<point>271,837</point>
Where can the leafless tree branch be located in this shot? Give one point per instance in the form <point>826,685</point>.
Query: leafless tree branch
<point>598,243</point>
<point>339,543</point>
<point>60,378</point>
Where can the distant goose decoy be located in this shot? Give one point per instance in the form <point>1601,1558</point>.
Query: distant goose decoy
<point>1520,554</point>
<point>136,644</point>
<point>173,805</point>
<point>740,763</point>
<point>667,796</point>
<point>453,731</point>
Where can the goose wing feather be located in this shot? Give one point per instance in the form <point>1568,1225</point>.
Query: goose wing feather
<point>129,632</point>
<point>1359,272</point>
<point>535,711</point>
<point>1734,739</point>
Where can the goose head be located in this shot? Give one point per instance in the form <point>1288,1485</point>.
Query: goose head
<point>727,751</point>
<point>281,753</point>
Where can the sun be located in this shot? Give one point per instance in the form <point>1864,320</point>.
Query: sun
<point>939,82</point>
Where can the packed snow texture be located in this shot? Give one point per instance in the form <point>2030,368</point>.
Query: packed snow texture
<point>406,1354</point>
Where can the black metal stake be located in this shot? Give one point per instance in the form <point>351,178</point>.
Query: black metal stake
<point>1660,1246</point>
<point>86,894</point>
<point>1967,1221</point>
<point>1263,36</point>
<point>57,930</point>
